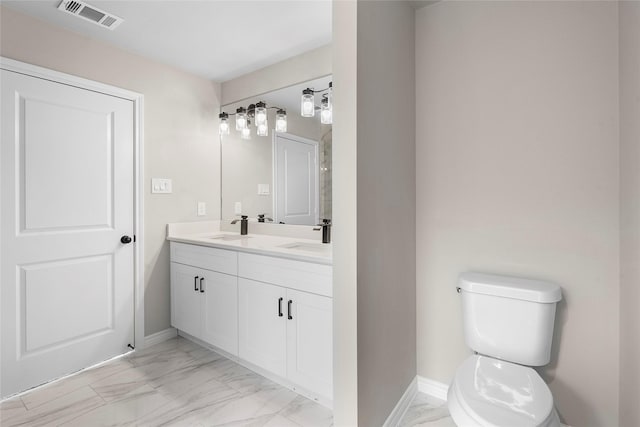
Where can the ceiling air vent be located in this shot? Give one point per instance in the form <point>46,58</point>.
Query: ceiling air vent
<point>90,13</point>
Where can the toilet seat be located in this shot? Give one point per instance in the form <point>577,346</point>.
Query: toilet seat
<point>490,392</point>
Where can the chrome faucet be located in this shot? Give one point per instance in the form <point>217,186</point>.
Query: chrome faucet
<point>244,224</point>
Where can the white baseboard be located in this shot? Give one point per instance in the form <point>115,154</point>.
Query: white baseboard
<point>159,337</point>
<point>401,407</point>
<point>433,388</point>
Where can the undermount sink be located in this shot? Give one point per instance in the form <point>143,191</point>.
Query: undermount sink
<point>229,237</point>
<point>302,246</point>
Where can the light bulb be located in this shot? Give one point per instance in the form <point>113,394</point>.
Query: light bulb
<point>281,121</point>
<point>241,118</point>
<point>325,112</point>
<point>245,133</point>
<point>262,129</point>
<point>307,106</point>
<point>224,123</point>
<point>261,113</point>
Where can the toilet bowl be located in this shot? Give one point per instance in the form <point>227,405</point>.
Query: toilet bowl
<point>490,392</point>
<point>508,323</point>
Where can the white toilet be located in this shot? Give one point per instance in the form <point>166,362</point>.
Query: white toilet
<point>508,322</point>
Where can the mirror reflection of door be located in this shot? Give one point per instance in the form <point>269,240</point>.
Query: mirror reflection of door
<point>295,177</point>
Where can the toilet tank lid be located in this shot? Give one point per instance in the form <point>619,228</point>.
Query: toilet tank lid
<point>510,287</point>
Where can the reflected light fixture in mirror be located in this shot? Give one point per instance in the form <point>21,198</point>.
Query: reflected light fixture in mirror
<point>308,108</point>
<point>258,113</point>
<point>281,121</point>
<point>224,124</point>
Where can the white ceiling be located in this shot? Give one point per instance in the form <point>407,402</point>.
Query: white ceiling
<point>216,39</point>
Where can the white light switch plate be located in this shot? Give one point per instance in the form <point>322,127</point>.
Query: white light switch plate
<point>238,208</point>
<point>263,189</point>
<point>202,208</point>
<point>161,185</point>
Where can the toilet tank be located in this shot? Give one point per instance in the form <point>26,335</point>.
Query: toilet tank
<point>509,318</point>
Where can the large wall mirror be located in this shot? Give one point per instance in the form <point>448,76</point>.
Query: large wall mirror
<point>285,176</point>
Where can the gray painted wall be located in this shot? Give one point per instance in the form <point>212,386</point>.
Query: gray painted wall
<point>386,177</point>
<point>629,213</point>
<point>345,213</point>
<point>518,173</point>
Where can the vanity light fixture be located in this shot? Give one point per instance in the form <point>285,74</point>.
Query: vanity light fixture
<point>307,103</point>
<point>281,120</point>
<point>257,113</point>
<point>262,128</point>
<point>261,113</point>
<point>241,118</point>
<point>245,133</point>
<point>325,111</point>
<point>224,123</point>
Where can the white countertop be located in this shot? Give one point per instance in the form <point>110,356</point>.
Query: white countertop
<point>302,249</point>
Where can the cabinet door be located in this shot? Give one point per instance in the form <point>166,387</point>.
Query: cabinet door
<point>262,334</point>
<point>220,311</point>
<point>310,343</point>
<point>185,298</point>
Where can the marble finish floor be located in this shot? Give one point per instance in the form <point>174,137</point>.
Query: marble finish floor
<point>174,383</point>
<point>428,412</point>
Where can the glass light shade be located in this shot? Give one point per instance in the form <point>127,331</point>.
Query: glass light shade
<point>241,118</point>
<point>261,114</point>
<point>307,105</point>
<point>281,121</point>
<point>245,133</point>
<point>224,123</point>
<point>262,129</point>
<point>325,112</point>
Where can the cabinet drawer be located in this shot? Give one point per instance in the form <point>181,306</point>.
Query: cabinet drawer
<point>300,275</point>
<point>204,257</point>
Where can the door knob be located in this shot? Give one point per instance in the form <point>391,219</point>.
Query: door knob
<point>125,239</point>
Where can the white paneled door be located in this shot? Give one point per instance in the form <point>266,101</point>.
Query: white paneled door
<point>295,180</point>
<point>66,214</point>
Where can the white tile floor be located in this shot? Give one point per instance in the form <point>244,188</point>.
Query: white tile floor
<point>174,383</point>
<point>179,383</point>
<point>427,411</point>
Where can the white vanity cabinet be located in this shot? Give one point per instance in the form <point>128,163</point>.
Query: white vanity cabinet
<point>274,313</point>
<point>204,302</point>
<point>282,328</point>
